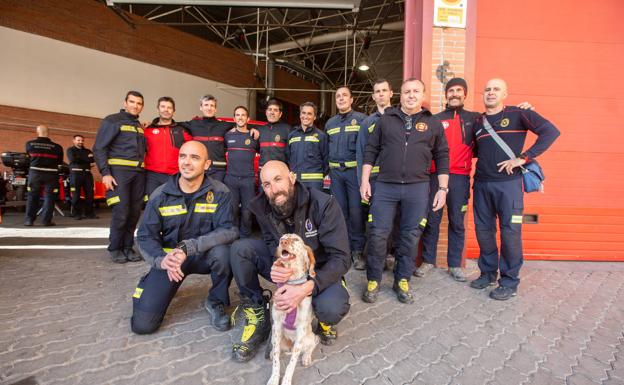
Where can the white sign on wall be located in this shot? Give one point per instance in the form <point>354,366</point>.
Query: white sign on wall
<point>450,13</point>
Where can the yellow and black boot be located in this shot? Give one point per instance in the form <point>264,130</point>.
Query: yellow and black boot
<point>256,329</point>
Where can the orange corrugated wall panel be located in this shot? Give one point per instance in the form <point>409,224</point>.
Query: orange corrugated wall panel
<point>566,58</point>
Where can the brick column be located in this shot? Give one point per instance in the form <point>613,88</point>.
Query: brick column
<point>448,44</point>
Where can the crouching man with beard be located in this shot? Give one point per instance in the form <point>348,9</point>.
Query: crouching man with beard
<point>287,206</point>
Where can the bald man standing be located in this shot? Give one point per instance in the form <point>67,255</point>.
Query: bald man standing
<point>186,229</point>
<point>498,185</point>
<point>45,158</point>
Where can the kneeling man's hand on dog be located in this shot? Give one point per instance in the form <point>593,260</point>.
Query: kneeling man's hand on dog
<point>280,274</point>
<point>288,297</point>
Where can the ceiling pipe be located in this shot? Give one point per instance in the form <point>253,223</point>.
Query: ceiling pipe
<point>328,38</point>
<point>322,4</point>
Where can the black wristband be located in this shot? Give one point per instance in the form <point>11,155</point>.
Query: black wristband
<point>182,246</point>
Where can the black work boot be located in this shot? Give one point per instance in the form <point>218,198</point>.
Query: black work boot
<point>482,282</point>
<point>401,288</point>
<point>118,256</point>
<point>370,294</point>
<point>503,293</point>
<point>359,263</point>
<point>256,329</point>
<point>131,256</point>
<point>218,316</point>
<point>327,333</point>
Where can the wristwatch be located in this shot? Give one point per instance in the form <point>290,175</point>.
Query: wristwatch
<point>182,246</point>
<point>445,189</point>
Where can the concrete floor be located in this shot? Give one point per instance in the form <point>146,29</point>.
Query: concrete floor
<point>65,310</point>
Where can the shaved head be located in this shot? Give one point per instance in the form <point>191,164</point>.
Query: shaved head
<point>193,161</point>
<point>42,130</point>
<point>497,81</point>
<point>274,167</point>
<point>494,95</point>
<point>195,147</point>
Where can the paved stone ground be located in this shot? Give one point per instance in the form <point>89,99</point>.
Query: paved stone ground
<point>64,319</point>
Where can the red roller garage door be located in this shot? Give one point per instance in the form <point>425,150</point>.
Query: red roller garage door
<point>566,58</point>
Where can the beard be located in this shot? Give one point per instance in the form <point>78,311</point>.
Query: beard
<point>285,209</point>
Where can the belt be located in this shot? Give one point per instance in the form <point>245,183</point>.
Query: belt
<point>125,162</point>
<point>343,165</point>
<point>311,176</point>
<point>79,169</point>
<point>44,169</point>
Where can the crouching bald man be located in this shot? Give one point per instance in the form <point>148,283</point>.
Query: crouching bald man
<point>187,228</point>
<point>287,206</point>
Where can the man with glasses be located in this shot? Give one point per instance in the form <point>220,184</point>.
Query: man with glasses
<point>405,141</point>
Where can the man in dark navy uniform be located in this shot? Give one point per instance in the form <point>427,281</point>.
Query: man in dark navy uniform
<point>498,190</point>
<point>119,152</point>
<point>406,139</point>
<point>240,176</point>
<point>343,129</point>
<point>80,162</point>
<point>308,149</point>
<point>186,229</point>
<point>274,135</point>
<point>382,95</point>
<point>45,158</point>
<point>210,131</point>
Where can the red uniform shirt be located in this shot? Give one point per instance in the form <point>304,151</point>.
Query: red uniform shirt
<point>163,147</point>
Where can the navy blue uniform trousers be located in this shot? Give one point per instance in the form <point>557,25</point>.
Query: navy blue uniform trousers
<point>344,187</point>
<point>456,206</point>
<point>216,173</point>
<point>81,180</point>
<point>318,185</point>
<point>505,201</point>
<point>155,291</point>
<point>251,257</point>
<point>412,199</point>
<point>153,180</point>
<point>49,182</point>
<point>126,201</point>
<point>243,189</point>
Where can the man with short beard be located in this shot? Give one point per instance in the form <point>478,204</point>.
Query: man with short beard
<point>164,137</point>
<point>308,149</point>
<point>186,229</point>
<point>274,135</point>
<point>80,162</point>
<point>382,95</point>
<point>342,130</point>
<point>241,175</point>
<point>287,206</point>
<point>119,152</point>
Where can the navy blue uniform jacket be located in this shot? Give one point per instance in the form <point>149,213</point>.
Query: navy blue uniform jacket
<point>120,141</point>
<point>407,158</point>
<point>205,223</point>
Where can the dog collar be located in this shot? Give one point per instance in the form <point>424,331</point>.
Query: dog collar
<point>299,281</point>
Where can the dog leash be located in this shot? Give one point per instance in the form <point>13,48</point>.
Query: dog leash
<point>289,321</point>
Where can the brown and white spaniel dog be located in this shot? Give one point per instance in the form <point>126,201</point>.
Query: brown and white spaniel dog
<point>293,331</point>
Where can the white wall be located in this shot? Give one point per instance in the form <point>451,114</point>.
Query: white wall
<point>46,74</point>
